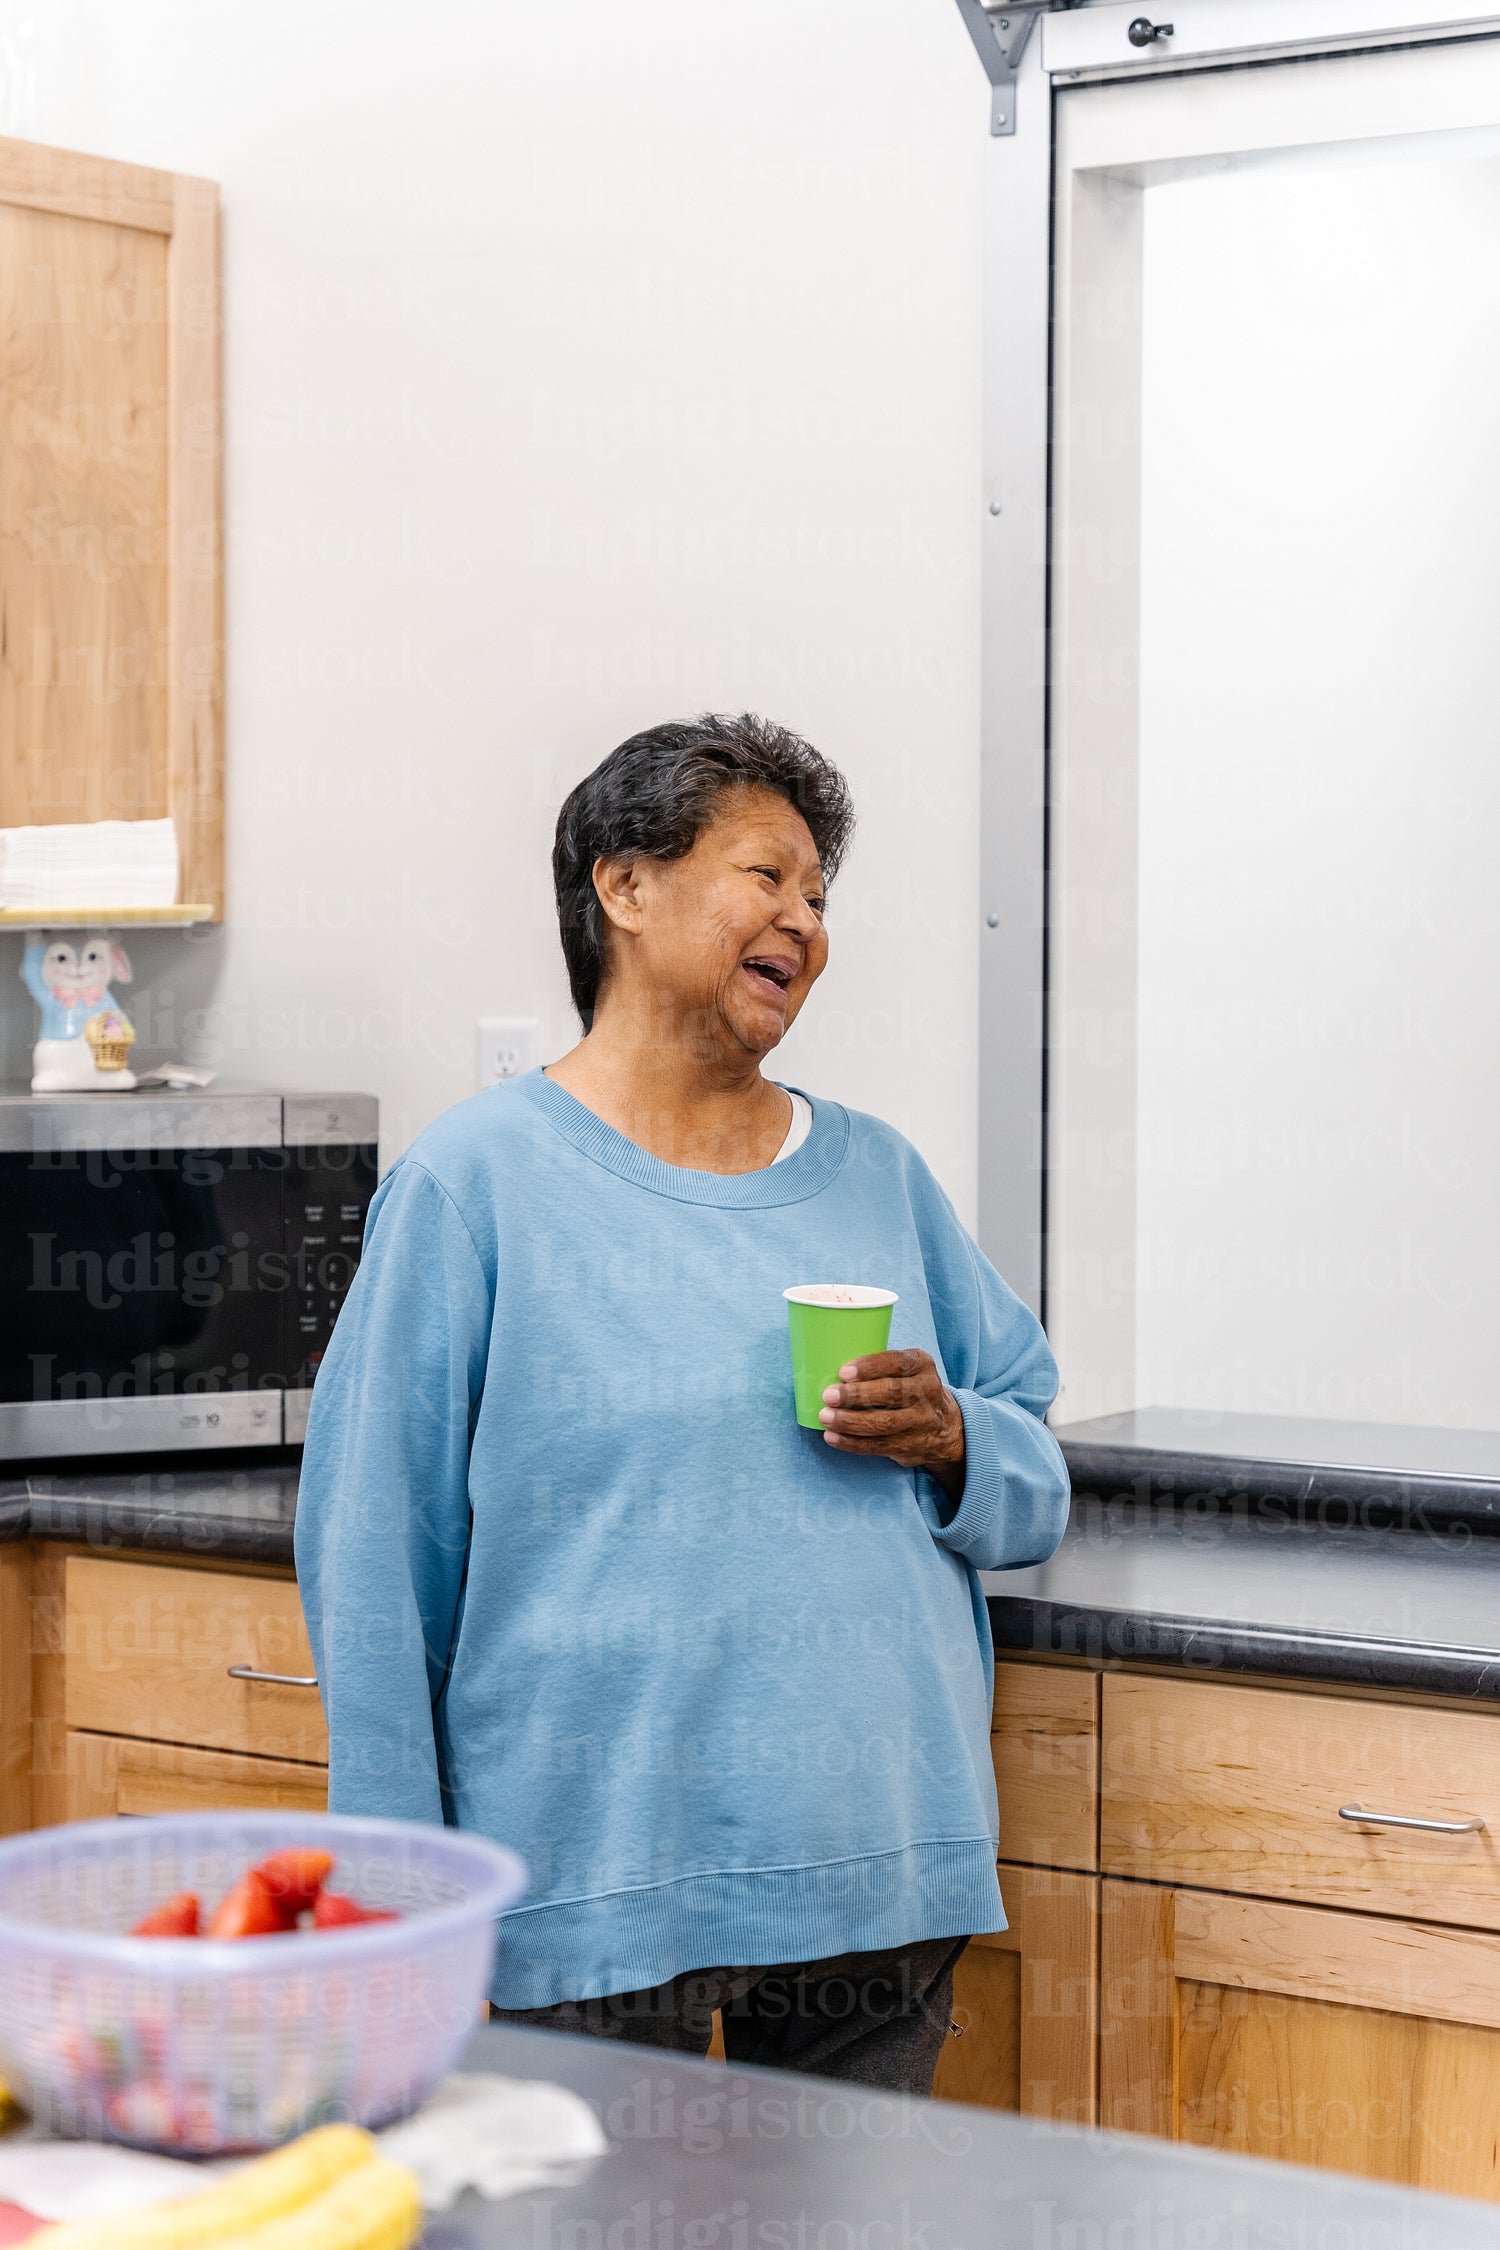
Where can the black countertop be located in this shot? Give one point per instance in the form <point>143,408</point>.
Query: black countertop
<point>1376,1473</point>
<point>242,1507</point>
<point>1211,1581</point>
<point>1218,1585</point>
<point>708,2154</point>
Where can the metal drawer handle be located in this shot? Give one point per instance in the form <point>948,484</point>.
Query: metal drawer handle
<point>1469,1827</point>
<point>273,1679</point>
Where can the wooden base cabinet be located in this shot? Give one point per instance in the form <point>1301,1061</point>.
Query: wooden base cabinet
<point>124,1689</point>
<point>1348,2041</point>
<point>1025,2003</point>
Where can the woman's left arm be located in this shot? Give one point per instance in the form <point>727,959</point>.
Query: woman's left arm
<point>998,1477</point>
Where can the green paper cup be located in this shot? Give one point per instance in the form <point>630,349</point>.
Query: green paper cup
<point>832,1322</point>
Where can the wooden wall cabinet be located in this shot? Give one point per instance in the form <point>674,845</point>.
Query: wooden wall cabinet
<point>111,565</point>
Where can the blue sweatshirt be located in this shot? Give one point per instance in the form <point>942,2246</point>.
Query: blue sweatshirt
<point>576,1579</point>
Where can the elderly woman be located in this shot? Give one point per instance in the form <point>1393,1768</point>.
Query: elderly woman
<point>574,1575</point>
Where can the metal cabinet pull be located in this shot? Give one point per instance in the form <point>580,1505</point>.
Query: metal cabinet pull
<point>1469,1827</point>
<point>273,1679</point>
<point>1144,33</point>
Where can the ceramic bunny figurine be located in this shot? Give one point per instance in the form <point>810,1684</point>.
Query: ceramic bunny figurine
<point>86,1036</point>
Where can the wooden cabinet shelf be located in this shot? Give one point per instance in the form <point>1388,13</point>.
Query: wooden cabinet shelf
<point>102,917</point>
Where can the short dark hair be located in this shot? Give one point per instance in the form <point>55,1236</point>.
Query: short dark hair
<point>653,797</point>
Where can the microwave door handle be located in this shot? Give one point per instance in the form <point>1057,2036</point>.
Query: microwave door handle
<point>273,1679</point>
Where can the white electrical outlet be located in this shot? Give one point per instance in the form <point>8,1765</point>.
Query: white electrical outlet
<point>508,1045</point>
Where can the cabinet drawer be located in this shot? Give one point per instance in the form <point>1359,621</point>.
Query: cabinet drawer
<point>1045,1745</point>
<point>1240,1789</point>
<point>108,1775</point>
<point>149,1650</point>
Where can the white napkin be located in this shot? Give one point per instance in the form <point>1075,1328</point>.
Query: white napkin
<point>90,2179</point>
<point>93,863</point>
<point>499,2135</point>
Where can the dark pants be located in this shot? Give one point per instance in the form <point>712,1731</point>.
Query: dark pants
<point>877,2018</point>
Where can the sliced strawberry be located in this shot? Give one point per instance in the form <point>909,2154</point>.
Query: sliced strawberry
<point>294,1877</point>
<point>248,1909</point>
<point>332,1911</point>
<point>178,1917</point>
<point>143,2111</point>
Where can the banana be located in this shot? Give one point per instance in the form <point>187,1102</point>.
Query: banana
<point>239,2209</point>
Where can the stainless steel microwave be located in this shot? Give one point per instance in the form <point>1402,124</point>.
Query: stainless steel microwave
<point>172,1264</point>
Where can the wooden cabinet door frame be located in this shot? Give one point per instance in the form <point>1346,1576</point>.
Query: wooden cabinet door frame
<point>1054,1938</point>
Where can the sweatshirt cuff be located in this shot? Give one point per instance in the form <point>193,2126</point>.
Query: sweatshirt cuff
<point>1015,1498</point>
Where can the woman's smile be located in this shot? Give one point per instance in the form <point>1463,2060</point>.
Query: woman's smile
<point>772,972</point>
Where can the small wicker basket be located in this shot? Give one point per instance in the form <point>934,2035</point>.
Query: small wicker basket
<point>110,1037</point>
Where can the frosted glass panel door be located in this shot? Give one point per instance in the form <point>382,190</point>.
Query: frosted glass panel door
<point>1275,1009</point>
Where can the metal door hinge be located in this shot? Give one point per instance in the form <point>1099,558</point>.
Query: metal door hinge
<point>1001,36</point>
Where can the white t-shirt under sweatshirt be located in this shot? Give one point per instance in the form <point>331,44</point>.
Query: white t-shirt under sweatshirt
<point>800,1127</point>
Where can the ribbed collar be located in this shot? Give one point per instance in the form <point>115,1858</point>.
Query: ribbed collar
<point>803,1173</point>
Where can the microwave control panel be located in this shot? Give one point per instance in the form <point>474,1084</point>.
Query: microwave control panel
<point>327,1193</point>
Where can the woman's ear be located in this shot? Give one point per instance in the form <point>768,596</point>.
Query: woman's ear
<point>616,881</point>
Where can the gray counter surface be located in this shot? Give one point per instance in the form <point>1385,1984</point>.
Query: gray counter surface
<point>706,2156</point>
<point>1215,1586</point>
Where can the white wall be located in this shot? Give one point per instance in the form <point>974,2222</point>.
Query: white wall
<point>1320,795</point>
<point>585,366</point>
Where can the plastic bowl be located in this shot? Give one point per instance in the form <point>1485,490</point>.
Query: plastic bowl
<point>196,2044</point>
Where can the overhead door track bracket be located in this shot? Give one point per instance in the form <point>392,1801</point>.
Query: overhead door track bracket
<point>1001,36</point>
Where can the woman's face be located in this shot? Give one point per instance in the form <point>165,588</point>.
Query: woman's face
<point>732,933</point>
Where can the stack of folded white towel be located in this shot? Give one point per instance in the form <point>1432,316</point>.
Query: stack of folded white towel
<point>89,863</point>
